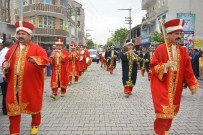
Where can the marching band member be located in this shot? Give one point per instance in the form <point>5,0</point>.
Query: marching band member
<point>170,66</point>
<point>103,60</point>
<point>129,69</point>
<point>73,64</point>
<point>59,79</point>
<point>111,59</point>
<point>147,58</point>
<point>24,71</point>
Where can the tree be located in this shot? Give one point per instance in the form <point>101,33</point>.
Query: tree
<point>120,36</point>
<point>90,44</point>
<point>157,37</point>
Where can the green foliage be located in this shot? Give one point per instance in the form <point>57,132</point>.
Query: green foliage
<point>90,44</point>
<point>120,36</point>
<point>157,37</point>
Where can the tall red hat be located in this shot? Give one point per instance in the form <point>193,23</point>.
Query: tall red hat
<point>24,26</point>
<point>59,41</point>
<point>174,25</point>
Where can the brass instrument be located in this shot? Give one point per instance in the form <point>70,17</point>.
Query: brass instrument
<point>132,54</point>
<point>57,54</point>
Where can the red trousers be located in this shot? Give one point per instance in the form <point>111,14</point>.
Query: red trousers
<point>76,78</point>
<point>128,90</point>
<point>55,91</point>
<point>162,125</point>
<point>111,70</point>
<point>149,75</point>
<point>15,122</point>
<point>142,71</point>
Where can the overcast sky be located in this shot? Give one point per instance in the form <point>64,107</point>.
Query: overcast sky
<point>103,16</point>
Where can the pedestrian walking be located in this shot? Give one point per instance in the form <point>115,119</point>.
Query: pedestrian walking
<point>1,44</point>
<point>48,51</point>
<point>170,66</point>
<point>97,57</point>
<point>24,70</point>
<point>59,77</point>
<point>3,84</point>
<point>129,69</point>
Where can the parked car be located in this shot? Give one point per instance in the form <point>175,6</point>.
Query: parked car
<point>93,54</point>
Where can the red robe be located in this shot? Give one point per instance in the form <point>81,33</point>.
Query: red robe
<point>59,71</point>
<point>74,64</point>
<point>30,80</point>
<point>166,99</point>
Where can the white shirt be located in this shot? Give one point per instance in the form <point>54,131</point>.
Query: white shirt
<point>2,58</point>
<point>21,50</point>
<point>174,53</point>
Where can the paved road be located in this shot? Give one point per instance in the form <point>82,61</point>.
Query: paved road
<point>97,106</point>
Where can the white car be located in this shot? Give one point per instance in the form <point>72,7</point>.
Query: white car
<point>93,54</point>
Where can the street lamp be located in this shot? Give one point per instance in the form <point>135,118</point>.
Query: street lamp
<point>128,19</point>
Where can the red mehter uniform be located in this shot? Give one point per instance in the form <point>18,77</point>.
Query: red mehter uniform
<point>167,84</point>
<point>73,64</point>
<point>59,61</point>
<point>25,78</point>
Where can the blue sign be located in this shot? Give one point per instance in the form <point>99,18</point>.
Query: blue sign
<point>146,40</point>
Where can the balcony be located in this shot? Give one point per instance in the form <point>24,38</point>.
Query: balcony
<point>43,9</point>
<point>50,32</point>
<point>147,3</point>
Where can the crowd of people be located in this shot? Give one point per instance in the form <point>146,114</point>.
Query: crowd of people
<point>168,67</point>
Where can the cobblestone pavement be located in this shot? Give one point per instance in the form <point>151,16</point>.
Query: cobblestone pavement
<point>97,106</point>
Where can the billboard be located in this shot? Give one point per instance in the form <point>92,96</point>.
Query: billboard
<point>189,38</point>
<point>189,21</point>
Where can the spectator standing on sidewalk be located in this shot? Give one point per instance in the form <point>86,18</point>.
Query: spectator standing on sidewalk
<point>49,51</point>
<point>170,66</point>
<point>7,44</point>
<point>24,70</point>
<point>1,44</point>
<point>97,57</point>
<point>129,69</point>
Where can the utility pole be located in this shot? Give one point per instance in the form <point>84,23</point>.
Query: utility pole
<point>20,10</point>
<point>129,20</point>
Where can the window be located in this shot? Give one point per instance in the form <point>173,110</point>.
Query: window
<point>41,1</point>
<point>61,24</point>
<point>47,1</point>
<point>63,3</point>
<point>32,19</point>
<point>32,1</point>
<point>47,22</point>
<point>41,22</point>
<point>53,2</point>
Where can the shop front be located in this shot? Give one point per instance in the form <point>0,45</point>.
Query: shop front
<point>137,42</point>
<point>145,42</point>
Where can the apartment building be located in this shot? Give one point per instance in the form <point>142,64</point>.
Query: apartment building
<point>165,10</point>
<point>52,19</point>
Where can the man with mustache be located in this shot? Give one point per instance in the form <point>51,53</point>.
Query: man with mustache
<point>24,71</point>
<point>170,66</point>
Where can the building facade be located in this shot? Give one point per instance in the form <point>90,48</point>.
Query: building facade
<point>170,9</point>
<point>52,19</point>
